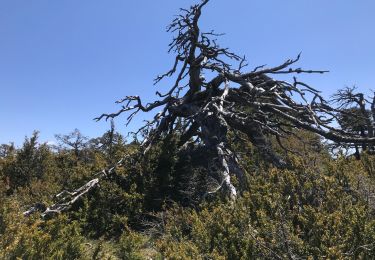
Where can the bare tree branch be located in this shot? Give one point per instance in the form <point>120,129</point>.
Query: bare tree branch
<point>251,102</point>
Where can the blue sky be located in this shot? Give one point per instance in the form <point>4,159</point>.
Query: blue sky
<point>62,63</point>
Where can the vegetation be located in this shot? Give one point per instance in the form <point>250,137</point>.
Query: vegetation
<point>320,207</point>
<point>234,167</point>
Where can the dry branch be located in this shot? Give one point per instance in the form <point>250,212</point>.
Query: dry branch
<point>251,102</point>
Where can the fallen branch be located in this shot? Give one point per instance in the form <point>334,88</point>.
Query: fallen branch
<point>66,199</point>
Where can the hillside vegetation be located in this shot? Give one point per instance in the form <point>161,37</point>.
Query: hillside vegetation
<point>155,206</point>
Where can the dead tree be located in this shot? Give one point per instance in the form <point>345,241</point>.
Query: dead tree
<point>214,94</point>
<point>74,140</point>
<point>357,116</point>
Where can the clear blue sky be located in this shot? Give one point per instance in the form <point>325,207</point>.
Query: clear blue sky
<point>64,62</point>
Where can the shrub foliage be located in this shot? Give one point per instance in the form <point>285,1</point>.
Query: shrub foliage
<point>156,205</point>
